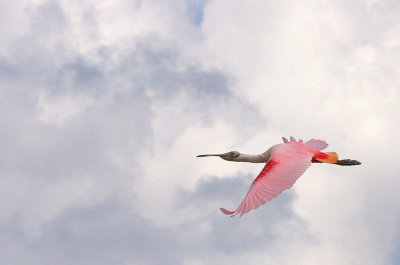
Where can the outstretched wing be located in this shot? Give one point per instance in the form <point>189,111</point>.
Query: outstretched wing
<point>280,173</point>
<point>313,143</point>
<point>316,144</point>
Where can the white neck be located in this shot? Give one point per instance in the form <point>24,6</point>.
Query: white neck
<point>261,158</point>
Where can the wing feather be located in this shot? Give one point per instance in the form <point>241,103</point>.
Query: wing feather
<point>316,144</point>
<point>280,173</point>
<point>313,143</point>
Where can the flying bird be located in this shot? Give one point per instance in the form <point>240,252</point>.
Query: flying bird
<point>285,163</point>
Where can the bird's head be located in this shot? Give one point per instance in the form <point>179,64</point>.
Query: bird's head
<point>230,156</point>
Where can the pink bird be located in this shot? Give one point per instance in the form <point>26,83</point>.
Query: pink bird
<point>285,163</point>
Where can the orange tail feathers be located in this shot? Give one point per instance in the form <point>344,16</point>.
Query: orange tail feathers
<point>332,158</point>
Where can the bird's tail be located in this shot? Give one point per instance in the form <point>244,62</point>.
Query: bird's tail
<point>330,157</point>
<point>348,162</point>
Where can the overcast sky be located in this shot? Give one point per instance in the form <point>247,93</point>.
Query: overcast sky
<point>104,106</point>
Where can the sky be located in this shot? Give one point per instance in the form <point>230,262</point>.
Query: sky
<point>104,106</point>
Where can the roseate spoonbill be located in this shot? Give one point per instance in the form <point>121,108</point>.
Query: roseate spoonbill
<point>285,163</point>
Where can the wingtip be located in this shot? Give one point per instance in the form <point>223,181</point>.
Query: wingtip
<point>225,211</point>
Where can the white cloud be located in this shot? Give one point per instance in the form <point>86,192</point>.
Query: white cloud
<point>57,110</point>
<point>105,105</point>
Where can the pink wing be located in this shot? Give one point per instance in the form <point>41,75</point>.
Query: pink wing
<point>280,173</point>
<point>313,143</point>
<point>316,144</point>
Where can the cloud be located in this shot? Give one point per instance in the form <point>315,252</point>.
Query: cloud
<point>112,231</point>
<point>104,107</point>
<point>76,128</point>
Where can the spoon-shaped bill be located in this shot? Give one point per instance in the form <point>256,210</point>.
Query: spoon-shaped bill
<point>220,155</point>
<point>208,155</point>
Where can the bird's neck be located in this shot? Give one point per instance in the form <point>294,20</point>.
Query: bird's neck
<point>261,158</point>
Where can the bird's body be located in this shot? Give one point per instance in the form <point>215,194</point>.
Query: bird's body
<point>285,163</point>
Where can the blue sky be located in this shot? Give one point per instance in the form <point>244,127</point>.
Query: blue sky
<point>105,105</point>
